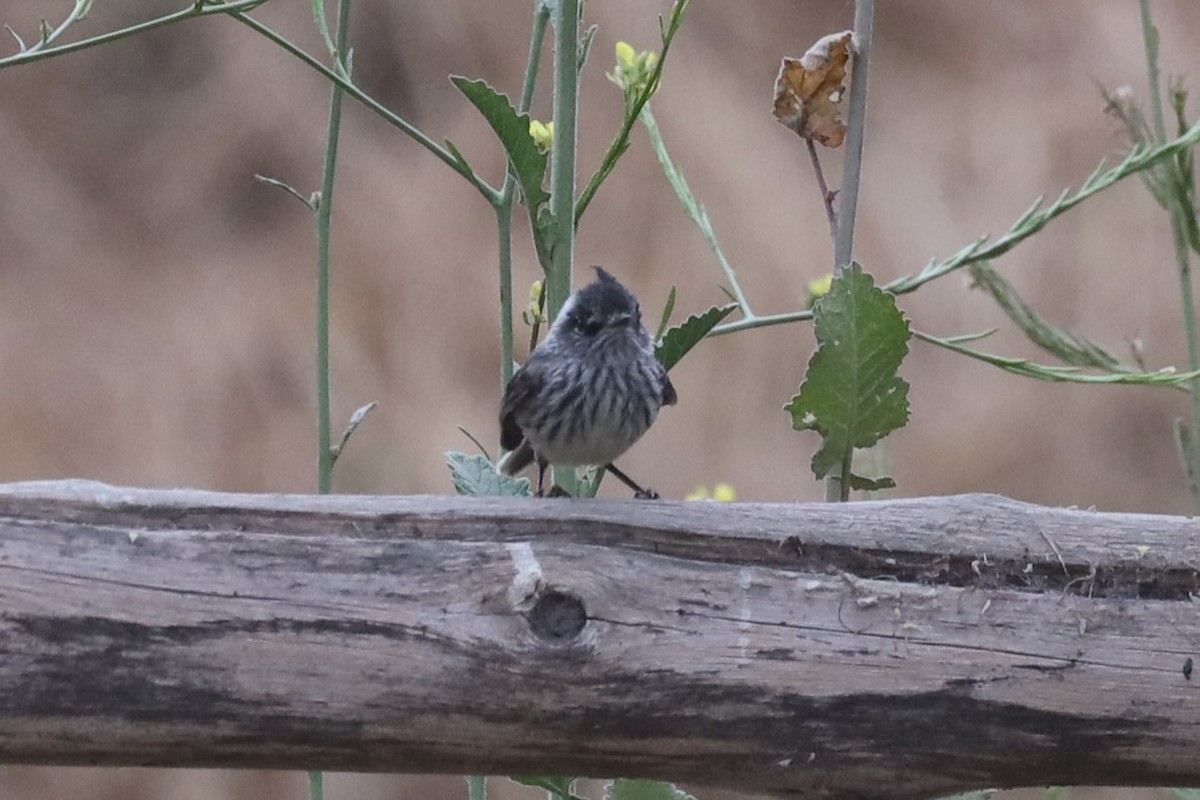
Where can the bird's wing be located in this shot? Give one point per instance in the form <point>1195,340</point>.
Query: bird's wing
<point>521,392</point>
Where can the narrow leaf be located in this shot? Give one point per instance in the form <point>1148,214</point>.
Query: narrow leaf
<point>1064,374</point>
<point>627,789</point>
<point>309,202</point>
<point>851,394</point>
<point>1183,448</point>
<point>666,315</point>
<point>355,420</point>
<point>676,343</point>
<point>861,484</point>
<point>1072,348</point>
<point>528,164</point>
<point>476,475</point>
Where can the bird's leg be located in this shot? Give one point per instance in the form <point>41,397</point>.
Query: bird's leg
<point>541,465</point>
<point>638,492</point>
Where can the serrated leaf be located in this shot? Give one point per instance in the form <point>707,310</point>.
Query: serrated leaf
<point>476,475</point>
<point>560,786</point>
<point>627,789</point>
<point>861,484</point>
<point>676,343</point>
<point>527,162</point>
<point>851,394</point>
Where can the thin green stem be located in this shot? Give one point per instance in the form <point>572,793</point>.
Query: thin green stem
<point>1150,40</point>
<point>504,254</point>
<point>476,787</point>
<point>562,171</point>
<point>1179,238</point>
<point>856,126</point>
<point>764,321</point>
<point>36,53</point>
<point>633,110</point>
<point>504,204</point>
<point>693,208</point>
<point>490,193</point>
<point>325,455</point>
<point>316,785</point>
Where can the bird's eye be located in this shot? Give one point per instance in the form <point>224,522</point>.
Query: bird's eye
<point>588,326</point>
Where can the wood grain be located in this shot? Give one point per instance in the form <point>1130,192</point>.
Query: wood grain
<point>903,648</point>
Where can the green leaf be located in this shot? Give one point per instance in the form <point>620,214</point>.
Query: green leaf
<point>666,315</point>
<point>1072,348</point>
<point>1186,794</point>
<point>1057,792</point>
<point>851,394</point>
<point>560,786</point>
<point>982,794</point>
<point>355,420</point>
<point>626,789</point>
<point>476,475</point>
<point>859,483</point>
<point>676,343</point>
<point>1183,448</point>
<point>1062,374</point>
<point>526,161</point>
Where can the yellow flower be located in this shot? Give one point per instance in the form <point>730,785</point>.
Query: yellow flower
<point>626,56</point>
<point>533,310</point>
<point>633,70</point>
<point>542,134</point>
<point>722,493</point>
<point>819,288</point>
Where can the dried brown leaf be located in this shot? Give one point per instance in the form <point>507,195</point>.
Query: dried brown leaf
<point>809,90</point>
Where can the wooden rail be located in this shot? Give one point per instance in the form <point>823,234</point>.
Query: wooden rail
<point>904,648</point>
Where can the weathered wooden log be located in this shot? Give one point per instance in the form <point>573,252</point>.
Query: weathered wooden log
<point>891,649</point>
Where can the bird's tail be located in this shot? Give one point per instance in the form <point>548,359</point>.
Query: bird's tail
<point>514,461</point>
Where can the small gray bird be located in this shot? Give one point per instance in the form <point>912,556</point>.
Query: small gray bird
<point>589,391</point>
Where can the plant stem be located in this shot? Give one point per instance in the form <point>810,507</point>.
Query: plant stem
<point>826,195</point>
<point>490,193</point>
<point>476,787</point>
<point>316,785</point>
<point>692,207</point>
<point>324,215</point>
<point>36,53</point>
<point>1179,239</point>
<point>856,118</point>
<point>562,172</point>
<point>837,487</point>
<point>504,205</point>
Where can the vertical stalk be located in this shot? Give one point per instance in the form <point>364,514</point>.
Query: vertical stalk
<point>837,487</point>
<point>1182,254</point>
<point>562,153</point>
<point>316,779</point>
<point>507,195</point>
<point>856,118</point>
<point>562,171</point>
<point>324,215</point>
<point>476,787</point>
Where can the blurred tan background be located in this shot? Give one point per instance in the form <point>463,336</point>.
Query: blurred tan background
<point>156,323</point>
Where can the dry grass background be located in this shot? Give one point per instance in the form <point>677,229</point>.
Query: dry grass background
<point>156,302</point>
